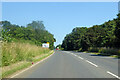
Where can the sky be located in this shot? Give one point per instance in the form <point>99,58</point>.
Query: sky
<point>60,0</point>
<point>59,18</point>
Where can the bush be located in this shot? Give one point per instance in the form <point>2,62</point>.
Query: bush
<point>80,50</point>
<point>105,51</point>
<point>118,53</point>
<point>108,51</point>
<point>92,49</point>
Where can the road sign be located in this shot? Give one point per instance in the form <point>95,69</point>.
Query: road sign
<point>45,45</point>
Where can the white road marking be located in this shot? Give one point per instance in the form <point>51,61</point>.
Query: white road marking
<point>31,66</point>
<point>80,57</point>
<point>75,55</point>
<point>72,53</point>
<point>86,60</point>
<point>96,65</point>
<point>113,74</point>
<point>92,63</point>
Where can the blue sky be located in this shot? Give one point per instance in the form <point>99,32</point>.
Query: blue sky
<point>60,18</point>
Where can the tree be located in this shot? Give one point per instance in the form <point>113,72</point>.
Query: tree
<point>34,32</point>
<point>117,28</point>
<point>82,38</point>
<point>117,32</point>
<point>36,25</point>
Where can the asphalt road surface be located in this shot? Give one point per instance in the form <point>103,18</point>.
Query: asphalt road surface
<point>69,64</point>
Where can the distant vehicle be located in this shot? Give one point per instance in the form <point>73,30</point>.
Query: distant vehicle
<point>57,49</point>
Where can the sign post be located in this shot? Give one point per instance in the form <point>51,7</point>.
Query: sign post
<point>45,45</point>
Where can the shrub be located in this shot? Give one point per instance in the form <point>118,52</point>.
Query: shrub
<point>80,50</point>
<point>108,51</point>
<point>119,53</point>
<point>105,51</point>
<point>92,49</point>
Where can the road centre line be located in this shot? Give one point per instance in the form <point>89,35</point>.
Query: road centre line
<point>75,55</point>
<point>85,60</point>
<point>113,74</point>
<point>97,66</point>
<point>80,57</point>
<point>92,63</point>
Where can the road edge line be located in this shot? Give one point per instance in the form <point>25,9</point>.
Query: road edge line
<point>32,66</point>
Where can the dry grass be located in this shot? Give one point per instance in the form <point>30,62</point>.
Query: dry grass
<point>17,56</point>
<point>15,52</point>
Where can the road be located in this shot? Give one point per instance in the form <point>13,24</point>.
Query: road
<point>69,64</point>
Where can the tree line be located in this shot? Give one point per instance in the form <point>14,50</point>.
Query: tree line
<point>34,32</point>
<point>104,35</point>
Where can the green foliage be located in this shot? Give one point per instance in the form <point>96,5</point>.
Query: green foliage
<point>117,29</point>
<point>108,51</point>
<point>14,52</point>
<point>14,69</point>
<point>34,32</point>
<point>118,53</point>
<point>8,70</point>
<point>73,40</point>
<point>59,46</point>
<point>36,25</point>
<point>93,49</point>
<point>89,39</point>
<point>117,32</point>
<point>105,51</point>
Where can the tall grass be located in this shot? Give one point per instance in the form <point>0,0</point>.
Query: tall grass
<point>16,52</point>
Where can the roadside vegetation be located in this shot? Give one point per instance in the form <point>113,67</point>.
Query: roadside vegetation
<point>22,46</point>
<point>104,38</point>
<point>105,51</point>
<point>23,54</point>
<point>16,52</point>
<point>34,32</point>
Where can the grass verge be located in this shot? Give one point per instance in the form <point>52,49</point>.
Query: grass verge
<point>17,56</point>
<point>22,65</point>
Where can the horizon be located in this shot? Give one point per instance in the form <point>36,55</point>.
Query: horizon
<point>64,15</point>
